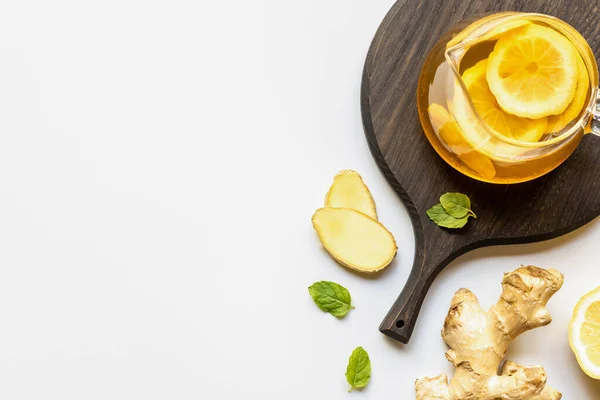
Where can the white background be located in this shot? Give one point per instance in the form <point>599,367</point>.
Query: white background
<point>159,165</point>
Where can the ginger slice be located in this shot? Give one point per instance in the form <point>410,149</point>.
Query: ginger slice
<point>349,191</point>
<point>354,239</point>
<point>479,339</point>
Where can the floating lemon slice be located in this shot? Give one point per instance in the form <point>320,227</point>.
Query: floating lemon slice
<point>558,122</point>
<point>493,33</point>
<point>522,129</point>
<point>451,134</point>
<point>533,72</point>
<point>584,333</point>
<point>500,30</point>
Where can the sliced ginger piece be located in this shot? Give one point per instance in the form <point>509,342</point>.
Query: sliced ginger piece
<point>354,239</point>
<point>349,191</point>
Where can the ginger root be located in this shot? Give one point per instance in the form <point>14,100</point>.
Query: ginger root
<point>354,239</point>
<point>478,341</point>
<point>349,191</point>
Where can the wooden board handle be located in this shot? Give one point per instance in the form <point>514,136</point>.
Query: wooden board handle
<point>400,321</point>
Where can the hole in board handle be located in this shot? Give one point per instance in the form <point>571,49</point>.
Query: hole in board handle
<point>399,323</point>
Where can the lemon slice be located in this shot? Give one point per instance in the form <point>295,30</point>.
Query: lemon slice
<point>448,129</point>
<point>558,122</point>
<point>533,72</point>
<point>522,129</point>
<point>498,31</point>
<point>455,140</point>
<point>492,34</point>
<point>584,333</point>
<point>476,133</point>
<point>470,29</point>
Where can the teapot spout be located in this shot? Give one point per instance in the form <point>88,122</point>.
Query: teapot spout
<point>453,56</point>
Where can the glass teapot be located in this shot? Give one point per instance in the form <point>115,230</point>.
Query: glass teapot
<point>483,121</point>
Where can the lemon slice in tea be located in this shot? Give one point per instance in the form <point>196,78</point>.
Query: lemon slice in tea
<point>558,122</point>
<point>493,33</point>
<point>455,140</point>
<point>522,129</point>
<point>500,30</point>
<point>448,130</point>
<point>584,333</point>
<point>533,72</point>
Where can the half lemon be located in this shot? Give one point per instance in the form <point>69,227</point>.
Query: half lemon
<point>584,333</point>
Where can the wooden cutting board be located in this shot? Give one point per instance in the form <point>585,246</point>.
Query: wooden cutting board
<point>545,208</point>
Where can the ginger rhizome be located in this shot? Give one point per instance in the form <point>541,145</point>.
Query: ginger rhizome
<point>478,342</point>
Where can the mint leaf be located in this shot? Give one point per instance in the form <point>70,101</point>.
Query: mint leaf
<point>439,215</point>
<point>358,371</point>
<point>457,205</point>
<point>331,297</point>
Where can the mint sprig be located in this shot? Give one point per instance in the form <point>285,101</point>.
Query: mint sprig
<point>457,205</point>
<point>453,212</point>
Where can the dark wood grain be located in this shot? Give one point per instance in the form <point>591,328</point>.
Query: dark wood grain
<point>545,208</point>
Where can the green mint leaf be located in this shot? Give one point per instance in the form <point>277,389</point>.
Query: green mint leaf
<point>331,297</point>
<point>457,205</point>
<point>439,215</point>
<point>358,371</point>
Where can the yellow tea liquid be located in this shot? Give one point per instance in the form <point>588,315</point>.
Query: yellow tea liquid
<point>462,137</point>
